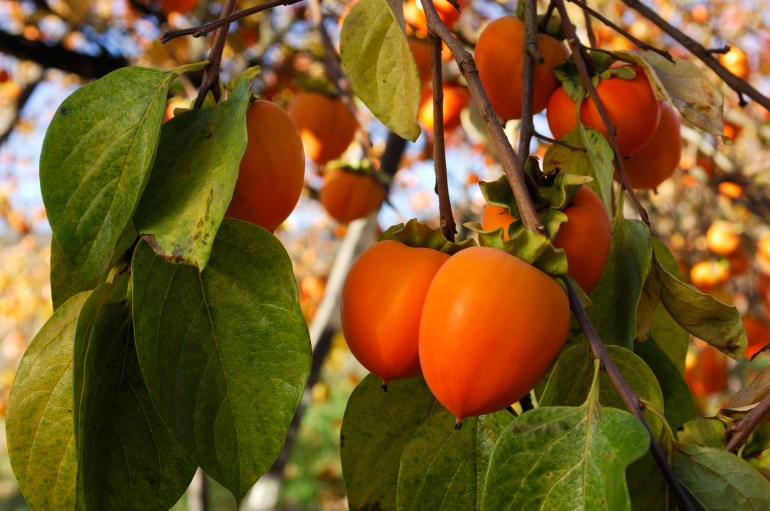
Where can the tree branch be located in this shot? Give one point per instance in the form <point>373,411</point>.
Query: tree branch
<point>738,432</point>
<point>527,128</point>
<point>738,85</point>
<point>58,57</point>
<point>512,167</point>
<point>211,72</point>
<point>630,399</point>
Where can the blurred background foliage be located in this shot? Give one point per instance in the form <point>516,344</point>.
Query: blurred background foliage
<point>714,213</point>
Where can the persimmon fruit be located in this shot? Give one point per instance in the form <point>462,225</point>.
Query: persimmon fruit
<point>736,61</point>
<point>421,52</point>
<point>272,169</point>
<point>381,305</point>
<point>491,327</point>
<point>499,58</point>
<point>455,98</point>
<point>758,334</point>
<point>706,372</point>
<point>325,124</point>
<point>414,15</point>
<point>348,196</point>
<point>630,104</point>
<point>585,236</point>
<point>657,161</point>
<point>721,238</point>
<point>709,275</point>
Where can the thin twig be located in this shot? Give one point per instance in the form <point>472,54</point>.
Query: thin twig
<point>211,73</point>
<point>639,43</point>
<point>225,20</point>
<point>629,397</point>
<point>527,127</point>
<point>550,140</point>
<point>737,84</point>
<point>514,172</point>
<point>447,221</point>
<point>585,78</point>
<point>739,431</point>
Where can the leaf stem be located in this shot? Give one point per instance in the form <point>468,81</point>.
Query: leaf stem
<point>629,397</point>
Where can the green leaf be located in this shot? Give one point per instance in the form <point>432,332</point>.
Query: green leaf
<point>677,399</point>
<point>702,315</point>
<point>703,433</point>
<point>96,160</point>
<point>127,459</point>
<point>755,392</point>
<point>683,84</point>
<point>193,179</point>
<point>225,353</point>
<point>647,486</point>
<point>381,67</point>
<point>588,154</point>
<point>375,429</point>
<point>400,449</point>
<point>719,480</point>
<point>619,290</point>
<point>40,436</point>
<point>68,279</point>
<point>570,381</point>
<point>571,458</point>
<point>443,468</point>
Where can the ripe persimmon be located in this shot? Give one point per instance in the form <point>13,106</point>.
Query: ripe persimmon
<point>706,370</point>
<point>455,98</point>
<point>585,236</point>
<point>630,104</point>
<point>381,305</point>
<point>421,52</point>
<point>491,327</point>
<point>348,195</point>
<point>656,161</point>
<point>736,61</point>
<point>758,334</point>
<point>414,15</point>
<point>708,275</point>
<point>272,169</point>
<point>325,124</point>
<point>499,58</point>
<point>721,238</point>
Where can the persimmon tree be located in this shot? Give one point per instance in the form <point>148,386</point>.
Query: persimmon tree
<point>177,339</point>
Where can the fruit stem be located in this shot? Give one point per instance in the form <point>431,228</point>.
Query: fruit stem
<point>630,398</point>
<point>585,78</point>
<point>439,155</point>
<point>458,423</point>
<point>737,84</point>
<point>514,171</point>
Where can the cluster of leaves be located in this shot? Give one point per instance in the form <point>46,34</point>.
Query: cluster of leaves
<point>177,339</point>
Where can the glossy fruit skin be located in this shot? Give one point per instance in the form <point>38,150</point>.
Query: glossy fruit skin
<point>491,327</point>
<point>499,58</point>
<point>421,53</point>
<point>658,160</point>
<point>585,236</point>
<point>325,124</point>
<point>272,170</point>
<point>455,98</point>
<point>630,104</point>
<point>348,196</point>
<point>414,15</point>
<point>382,300</point>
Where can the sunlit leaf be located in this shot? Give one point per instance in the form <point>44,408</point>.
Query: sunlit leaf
<point>40,434</point>
<point>381,66</point>
<point>225,353</point>
<point>565,458</point>
<point>193,179</point>
<point>677,399</point>
<point>96,159</point>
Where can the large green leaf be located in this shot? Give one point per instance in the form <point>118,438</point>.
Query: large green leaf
<point>193,178</point>
<point>647,486</point>
<point>40,436</point>
<point>381,67</point>
<point>719,480</point>
<point>96,160</point>
<point>678,401</point>
<point>127,459</point>
<point>619,290</point>
<point>400,449</point>
<point>570,381</point>
<point>225,353</point>
<point>565,458</point>
<point>375,429</point>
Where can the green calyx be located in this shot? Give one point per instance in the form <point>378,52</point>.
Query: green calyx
<point>417,234</point>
